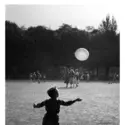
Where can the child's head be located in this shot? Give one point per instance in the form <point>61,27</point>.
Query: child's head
<point>53,92</point>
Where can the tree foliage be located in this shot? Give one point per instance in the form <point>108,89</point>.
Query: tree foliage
<point>108,25</point>
<point>33,48</point>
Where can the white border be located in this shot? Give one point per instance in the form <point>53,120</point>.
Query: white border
<point>2,63</point>
<point>120,21</point>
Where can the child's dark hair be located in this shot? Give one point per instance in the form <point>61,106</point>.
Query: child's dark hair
<point>52,92</point>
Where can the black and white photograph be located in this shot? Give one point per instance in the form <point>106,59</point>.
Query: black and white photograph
<point>62,65</point>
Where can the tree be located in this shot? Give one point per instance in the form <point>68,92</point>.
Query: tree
<point>108,25</point>
<point>89,28</point>
<point>39,47</point>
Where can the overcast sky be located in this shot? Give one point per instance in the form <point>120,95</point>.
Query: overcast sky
<point>54,16</point>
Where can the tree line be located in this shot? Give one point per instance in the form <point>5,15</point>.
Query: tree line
<point>41,48</point>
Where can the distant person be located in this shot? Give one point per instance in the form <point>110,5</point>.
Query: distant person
<point>112,78</point>
<point>52,106</point>
<point>35,76</point>
<point>31,76</point>
<point>44,78</point>
<point>115,77</point>
<point>38,75</point>
<point>66,76</point>
<point>72,78</point>
<point>88,76</point>
<point>72,72</point>
<point>77,74</point>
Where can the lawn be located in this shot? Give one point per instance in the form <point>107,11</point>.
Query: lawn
<point>99,106</point>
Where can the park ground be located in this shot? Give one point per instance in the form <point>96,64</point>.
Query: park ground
<point>99,106</point>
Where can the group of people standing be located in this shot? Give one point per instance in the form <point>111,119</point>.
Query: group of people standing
<point>37,76</point>
<point>71,76</point>
<point>114,78</point>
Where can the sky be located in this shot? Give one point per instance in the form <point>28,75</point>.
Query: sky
<point>53,16</point>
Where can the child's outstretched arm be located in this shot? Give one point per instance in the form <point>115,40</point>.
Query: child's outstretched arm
<point>39,105</point>
<point>69,102</point>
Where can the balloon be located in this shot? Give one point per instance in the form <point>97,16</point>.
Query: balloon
<point>82,54</point>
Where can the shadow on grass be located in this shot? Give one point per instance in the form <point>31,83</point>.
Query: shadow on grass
<point>66,87</point>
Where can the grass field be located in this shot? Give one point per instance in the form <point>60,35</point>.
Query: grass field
<point>100,104</point>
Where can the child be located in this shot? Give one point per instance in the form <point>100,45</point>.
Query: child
<point>44,78</point>
<point>52,107</point>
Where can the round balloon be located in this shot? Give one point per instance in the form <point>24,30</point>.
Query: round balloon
<point>82,54</point>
